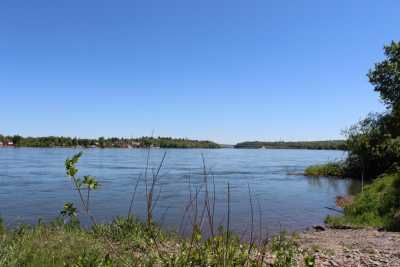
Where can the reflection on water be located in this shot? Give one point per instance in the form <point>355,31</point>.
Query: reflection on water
<point>353,186</point>
<point>33,184</point>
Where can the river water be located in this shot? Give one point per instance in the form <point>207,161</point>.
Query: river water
<point>33,185</point>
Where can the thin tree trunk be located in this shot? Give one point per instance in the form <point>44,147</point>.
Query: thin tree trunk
<point>362,181</point>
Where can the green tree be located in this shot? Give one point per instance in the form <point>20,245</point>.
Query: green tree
<point>16,139</point>
<point>102,142</point>
<point>385,77</point>
<point>373,142</point>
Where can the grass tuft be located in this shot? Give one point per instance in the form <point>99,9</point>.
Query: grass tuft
<point>333,169</point>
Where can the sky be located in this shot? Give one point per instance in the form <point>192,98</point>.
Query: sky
<point>227,71</point>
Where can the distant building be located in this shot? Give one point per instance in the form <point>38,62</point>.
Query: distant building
<point>10,143</point>
<point>1,143</point>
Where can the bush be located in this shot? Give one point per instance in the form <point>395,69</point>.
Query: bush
<point>377,206</point>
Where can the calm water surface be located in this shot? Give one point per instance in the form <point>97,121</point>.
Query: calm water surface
<point>33,184</point>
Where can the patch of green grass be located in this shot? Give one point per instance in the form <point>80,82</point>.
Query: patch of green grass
<point>284,250</point>
<point>377,206</point>
<point>129,242</point>
<point>50,245</point>
<point>333,169</point>
<point>2,228</point>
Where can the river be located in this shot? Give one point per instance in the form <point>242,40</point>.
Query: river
<point>33,185</point>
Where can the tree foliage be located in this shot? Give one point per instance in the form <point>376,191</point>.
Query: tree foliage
<point>374,143</point>
<point>113,142</point>
<point>385,77</point>
<point>331,145</point>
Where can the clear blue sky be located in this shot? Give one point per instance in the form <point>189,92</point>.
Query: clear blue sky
<point>227,71</point>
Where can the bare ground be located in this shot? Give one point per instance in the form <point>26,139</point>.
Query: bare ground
<point>361,247</point>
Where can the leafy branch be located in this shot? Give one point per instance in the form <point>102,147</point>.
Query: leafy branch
<point>87,184</point>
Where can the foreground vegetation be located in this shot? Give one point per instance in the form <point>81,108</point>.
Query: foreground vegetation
<point>377,206</point>
<point>329,145</point>
<point>114,142</point>
<point>128,242</point>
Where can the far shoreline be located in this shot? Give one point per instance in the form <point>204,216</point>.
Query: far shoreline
<point>155,148</point>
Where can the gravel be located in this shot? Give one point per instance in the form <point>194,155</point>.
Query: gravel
<point>361,247</point>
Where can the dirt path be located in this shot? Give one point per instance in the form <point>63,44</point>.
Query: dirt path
<point>366,247</point>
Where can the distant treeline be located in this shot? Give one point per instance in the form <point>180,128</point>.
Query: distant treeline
<point>161,142</point>
<point>168,142</point>
<point>332,145</point>
<point>114,142</point>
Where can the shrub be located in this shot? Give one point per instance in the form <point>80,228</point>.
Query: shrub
<point>377,206</point>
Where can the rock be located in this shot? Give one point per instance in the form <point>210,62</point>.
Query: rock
<point>333,263</point>
<point>319,228</point>
<point>342,201</point>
